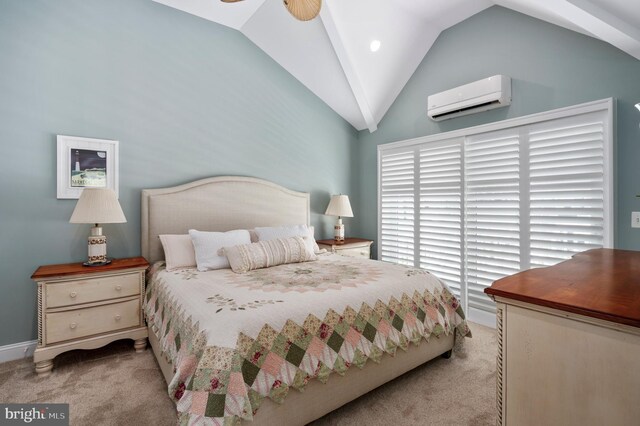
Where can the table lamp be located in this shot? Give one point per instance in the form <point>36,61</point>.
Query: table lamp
<point>339,206</point>
<point>97,205</point>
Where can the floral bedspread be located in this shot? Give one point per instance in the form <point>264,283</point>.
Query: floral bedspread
<point>235,339</point>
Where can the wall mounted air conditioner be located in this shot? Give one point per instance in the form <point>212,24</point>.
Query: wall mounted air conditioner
<point>481,95</point>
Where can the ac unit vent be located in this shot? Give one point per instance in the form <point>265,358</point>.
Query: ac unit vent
<point>468,109</point>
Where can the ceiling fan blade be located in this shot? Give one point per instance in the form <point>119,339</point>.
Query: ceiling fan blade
<point>303,10</point>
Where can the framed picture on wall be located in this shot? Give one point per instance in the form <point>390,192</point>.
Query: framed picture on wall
<point>86,163</point>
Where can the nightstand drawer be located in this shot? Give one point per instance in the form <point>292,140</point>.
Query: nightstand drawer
<point>78,323</point>
<point>351,247</point>
<point>92,289</point>
<point>355,252</point>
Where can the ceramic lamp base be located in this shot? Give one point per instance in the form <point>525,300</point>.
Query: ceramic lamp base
<point>338,231</point>
<point>97,247</point>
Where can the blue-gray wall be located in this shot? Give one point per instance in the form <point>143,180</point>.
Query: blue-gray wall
<point>550,68</point>
<point>185,97</point>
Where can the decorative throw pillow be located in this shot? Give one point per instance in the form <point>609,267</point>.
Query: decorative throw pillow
<point>264,254</point>
<point>178,251</point>
<point>267,233</point>
<point>208,244</point>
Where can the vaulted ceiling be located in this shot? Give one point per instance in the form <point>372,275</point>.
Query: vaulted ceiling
<point>334,54</point>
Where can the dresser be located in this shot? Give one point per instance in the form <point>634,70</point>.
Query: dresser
<point>569,342</point>
<point>353,247</point>
<point>84,307</point>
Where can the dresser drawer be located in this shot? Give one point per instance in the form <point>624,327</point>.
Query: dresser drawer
<point>92,289</point>
<point>355,252</point>
<point>78,323</point>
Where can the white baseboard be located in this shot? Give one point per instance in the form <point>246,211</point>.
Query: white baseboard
<point>17,351</point>
<point>481,317</point>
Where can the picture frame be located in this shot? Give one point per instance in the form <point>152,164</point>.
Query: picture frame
<point>85,163</point>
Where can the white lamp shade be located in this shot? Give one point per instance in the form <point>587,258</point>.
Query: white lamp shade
<point>98,205</point>
<point>339,206</point>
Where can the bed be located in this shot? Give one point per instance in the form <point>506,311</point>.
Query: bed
<point>286,344</point>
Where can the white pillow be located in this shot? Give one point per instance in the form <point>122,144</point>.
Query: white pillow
<point>178,251</point>
<point>268,233</point>
<point>207,245</point>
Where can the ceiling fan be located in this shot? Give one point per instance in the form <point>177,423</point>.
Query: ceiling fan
<point>303,10</point>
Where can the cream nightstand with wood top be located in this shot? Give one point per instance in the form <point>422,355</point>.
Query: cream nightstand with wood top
<point>354,247</point>
<point>83,307</point>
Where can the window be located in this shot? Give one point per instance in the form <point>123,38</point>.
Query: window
<point>441,212</point>
<point>476,205</point>
<point>492,212</point>
<point>397,200</point>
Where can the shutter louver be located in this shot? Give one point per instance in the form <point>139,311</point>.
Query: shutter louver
<point>492,210</point>
<point>567,188</point>
<point>397,204</point>
<point>441,213</point>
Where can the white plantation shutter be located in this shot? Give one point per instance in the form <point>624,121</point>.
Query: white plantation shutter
<point>397,207</point>
<point>492,212</point>
<point>484,205</point>
<point>567,187</point>
<point>441,212</point>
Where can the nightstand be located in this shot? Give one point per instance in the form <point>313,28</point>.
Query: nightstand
<point>86,307</point>
<point>353,247</point>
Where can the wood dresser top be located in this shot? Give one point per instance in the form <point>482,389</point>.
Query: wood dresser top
<point>70,269</point>
<point>599,283</point>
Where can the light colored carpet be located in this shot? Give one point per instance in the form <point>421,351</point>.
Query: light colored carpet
<point>115,386</point>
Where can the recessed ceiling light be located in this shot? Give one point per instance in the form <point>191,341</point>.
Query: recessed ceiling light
<point>375,45</point>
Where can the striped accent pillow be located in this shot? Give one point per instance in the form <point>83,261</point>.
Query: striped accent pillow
<point>263,254</point>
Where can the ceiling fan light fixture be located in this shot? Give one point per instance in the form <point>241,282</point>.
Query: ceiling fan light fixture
<point>303,10</point>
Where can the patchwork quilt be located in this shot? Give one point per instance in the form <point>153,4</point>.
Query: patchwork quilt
<point>235,339</point>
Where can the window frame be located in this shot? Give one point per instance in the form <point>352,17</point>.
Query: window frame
<point>607,106</point>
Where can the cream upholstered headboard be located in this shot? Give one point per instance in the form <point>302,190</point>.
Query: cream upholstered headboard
<point>217,204</point>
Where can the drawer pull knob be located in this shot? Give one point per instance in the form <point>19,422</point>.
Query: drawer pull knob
<point>118,317</point>
<point>73,294</point>
<point>118,287</point>
<point>73,325</point>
